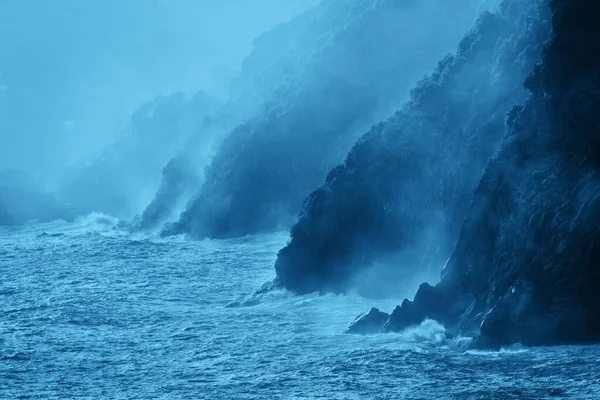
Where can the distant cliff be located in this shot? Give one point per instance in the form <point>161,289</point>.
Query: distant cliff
<point>393,211</point>
<point>526,267</point>
<point>343,65</point>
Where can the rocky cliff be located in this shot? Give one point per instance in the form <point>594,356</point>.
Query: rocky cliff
<point>526,266</point>
<point>394,209</point>
<point>344,65</point>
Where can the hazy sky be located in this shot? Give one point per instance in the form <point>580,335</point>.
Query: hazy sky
<point>72,71</point>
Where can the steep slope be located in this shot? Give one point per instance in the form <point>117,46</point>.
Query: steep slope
<point>184,171</point>
<point>349,64</point>
<point>393,211</point>
<point>526,268</point>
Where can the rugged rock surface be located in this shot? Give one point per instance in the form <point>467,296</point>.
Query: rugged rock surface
<point>402,194</point>
<point>527,266</point>
<point>370,322</point>
<point>350,63</point>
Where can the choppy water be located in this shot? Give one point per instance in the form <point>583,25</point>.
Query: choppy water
<point>88,310</point>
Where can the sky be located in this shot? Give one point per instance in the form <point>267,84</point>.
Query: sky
<point>73,71</point>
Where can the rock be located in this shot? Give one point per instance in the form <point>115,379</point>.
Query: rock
<point>177,178</point>
<point>344,66</point>
<point>372,322</point>
<point>526,268</point>
<point>405,188</point>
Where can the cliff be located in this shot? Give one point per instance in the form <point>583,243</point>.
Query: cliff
<point>343,66</point>
<point>393,211</point>
<point>526,266</point>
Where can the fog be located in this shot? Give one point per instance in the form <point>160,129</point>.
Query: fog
<point>237,108</point>
<point>390,215</point>
<point>72,72</point>
<point>346,66</point>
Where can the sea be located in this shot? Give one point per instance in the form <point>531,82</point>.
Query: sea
<point>92,310</point>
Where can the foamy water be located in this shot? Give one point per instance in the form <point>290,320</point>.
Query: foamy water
<point>91,310</point>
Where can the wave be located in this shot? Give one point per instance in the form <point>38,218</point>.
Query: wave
<point>92,223</point>
<point>514,349</point>
<point>429,331</point>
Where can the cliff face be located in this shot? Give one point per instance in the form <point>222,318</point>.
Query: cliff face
<point>526,267</point>
<point>349,64</point>
<point>401,196</point>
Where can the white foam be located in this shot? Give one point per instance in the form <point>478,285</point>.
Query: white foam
<point>429,331</point>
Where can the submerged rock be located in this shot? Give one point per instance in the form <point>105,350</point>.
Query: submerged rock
<point>401,196</point>
<point>527,266</point>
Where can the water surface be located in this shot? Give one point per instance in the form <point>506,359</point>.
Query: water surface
<point>88,310</point>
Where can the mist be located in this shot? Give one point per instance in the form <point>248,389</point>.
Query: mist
<point>393,210</point>
<point>328,199</point>
<point>346,65</point>
<point>73,74</point>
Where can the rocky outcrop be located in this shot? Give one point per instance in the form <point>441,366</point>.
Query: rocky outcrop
<point>401,196</point>
<point>526,267</point>
<point>344,65</point>
<point>370,322</point>
<point>178,178</point>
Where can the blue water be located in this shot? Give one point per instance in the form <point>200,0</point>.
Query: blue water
<point>88,310</point>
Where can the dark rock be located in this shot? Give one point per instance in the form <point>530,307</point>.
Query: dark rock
<point>372,322</point>
<point>346,65</point>
<point>526,267</point>
<point>178,179</point>
<point>405,188</point>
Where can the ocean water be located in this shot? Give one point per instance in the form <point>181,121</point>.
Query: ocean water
<point>89,310</point>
